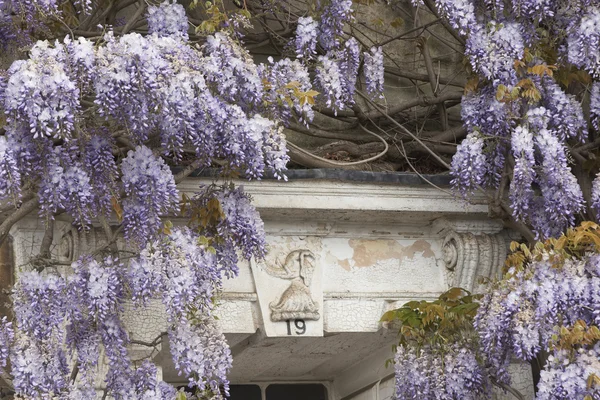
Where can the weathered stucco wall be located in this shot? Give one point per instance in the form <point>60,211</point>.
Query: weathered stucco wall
<point>340,254</point>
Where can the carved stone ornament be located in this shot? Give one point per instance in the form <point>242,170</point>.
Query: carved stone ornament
<point>469,257</point>
<point>74,243</point>
<point>296,301</point>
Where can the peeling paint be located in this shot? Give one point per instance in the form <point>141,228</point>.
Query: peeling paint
<point>367,252</point>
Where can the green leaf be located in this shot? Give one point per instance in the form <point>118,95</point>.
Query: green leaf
<point>414,321</point>
<point>181,396</point>
<point>413,305</point>
<point>388,316</point>
<point>464,309</point>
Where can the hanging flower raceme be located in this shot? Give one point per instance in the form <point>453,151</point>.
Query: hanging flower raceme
<point>469,166</point>
<point>563,198</point>
<point>7,34</point>
<point>99,162</point>
<point>349,62</point>
<point>333,17</point>
<point>39,370</point>
<point>39,304</point>
<point>374,71</point>
<point>151,192</point>
<point>460,14</point>
<point>10,175</point>
<point>567,377</point>
<point>454,375</point>
<point>584,41</point>
<point>231,69</point>
<point>168,19</point>
<point>329,82</point>
<point>521,190</point>
<point>39,94</point>
<point>306,38</point>
<point>128,74</point>
<point>7,335</point>
<point>493,48</point>
<point>200,352</point>
<point>286,79</point>
<point>437,355</point>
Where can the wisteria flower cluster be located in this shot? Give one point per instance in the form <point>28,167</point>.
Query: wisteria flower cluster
<point>89,299</point>
<point>97,126</point>
<point>306,38</point>
<point>333,17</point>
<point>168,19</point>
<point>227,213</point>
<point>566,376</point>
<point>337,70</point>
<point>141,85</point>
<point>186,274</point>
<point>543,293</point>
<point>200,351</point>
<point>520,110</point>
<point>282,102</point>
<point>451,375</point>
<point>438,352</point>
<point>151,191</point>
<point>374,71</point>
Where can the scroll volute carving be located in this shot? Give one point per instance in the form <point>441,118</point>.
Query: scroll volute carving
<point>468,256</point>
<point>296,301</point>
<point>74,243</point>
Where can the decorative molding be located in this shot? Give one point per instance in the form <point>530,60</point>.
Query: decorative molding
<point>296,301</point>
<point>443,226</point>
<point>73,242</point>
<point>290,292</point>
<point>297,196</point>
<point>468,257</point>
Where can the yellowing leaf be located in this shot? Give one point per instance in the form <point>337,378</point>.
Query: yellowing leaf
<point>397,23</point>
<point>452,294</point>
<point>117,207</point>
<point>501,92</point>
<point>471,85</point>
<point>292,85</point>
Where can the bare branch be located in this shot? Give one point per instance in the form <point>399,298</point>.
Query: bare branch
<point>187,171</point>
<point>111,237</point>
<point>422,101</point>
<point>377,108</point>
<point>518,226</point>
<point>15,217</point>
<point>420,77</point>
<point>433,81</point>
<point>431,5</point>
<point>135,17</point>
<point>337,135</point>
<point>419,29</point>
<point>353,149</point>
<point>342,164</point>
<point>8,205</point>
<point>6,378</point>
<point>47,240</point>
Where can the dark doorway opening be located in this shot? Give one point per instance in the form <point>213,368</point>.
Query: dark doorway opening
<point>312,391</point>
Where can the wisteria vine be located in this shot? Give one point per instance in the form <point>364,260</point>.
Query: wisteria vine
<point>96,129</point>
<point>521,109</point>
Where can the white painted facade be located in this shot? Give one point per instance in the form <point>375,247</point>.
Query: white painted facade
<point>340,255</point>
